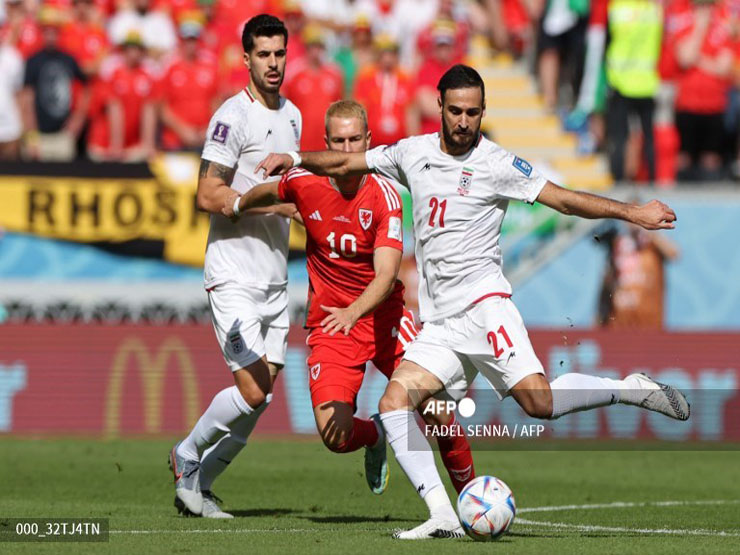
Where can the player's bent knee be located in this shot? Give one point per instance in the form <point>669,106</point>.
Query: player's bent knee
<point>395,398</point>
<point>538,405</point>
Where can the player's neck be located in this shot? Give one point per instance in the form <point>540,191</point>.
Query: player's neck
<point>267,99</point>
<point>454,150</point>
<point>347,185</point>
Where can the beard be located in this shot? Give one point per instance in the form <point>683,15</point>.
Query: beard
<point>460,143</point>
<point>263,84</point>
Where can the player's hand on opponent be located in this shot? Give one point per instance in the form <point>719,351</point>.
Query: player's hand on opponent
<point>274,164</point>
<point>339,319</point>
<point>654,215</point>
<point>288,210</point>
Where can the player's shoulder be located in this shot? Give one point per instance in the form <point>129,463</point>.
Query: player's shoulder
<point>287,106</point>
<point>300,178</point>
<point>492,152</point>
<point>235,108</point>
<point>384,191</point>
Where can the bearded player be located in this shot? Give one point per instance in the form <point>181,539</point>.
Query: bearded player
<point>245,266</point>
<point>461,184</point>
<point>356,311</point>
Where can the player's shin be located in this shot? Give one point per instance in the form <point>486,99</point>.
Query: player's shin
<point>416,458</point>
<point>576,392</point>
<point>217,458</point>
<point>226,408</point>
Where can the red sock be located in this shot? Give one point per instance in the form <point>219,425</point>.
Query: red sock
<point>456,456</point>
<point>364,434</point>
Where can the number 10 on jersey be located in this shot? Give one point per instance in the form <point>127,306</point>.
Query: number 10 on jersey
<point>347,245</point>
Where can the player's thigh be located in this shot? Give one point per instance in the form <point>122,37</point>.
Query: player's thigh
<point>431,364</point>
<point>332,375</point>
<point>237,323</point>
<point>499,345</point>
<point>275,327</point>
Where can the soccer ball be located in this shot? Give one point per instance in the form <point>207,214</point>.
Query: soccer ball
<point>486,508</point>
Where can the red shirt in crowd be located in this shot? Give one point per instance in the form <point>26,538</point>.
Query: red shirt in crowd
<point>429,75</point>
<point>87,43</point>
<point>133,88</point>
<point>312,91</point>
<point>342,235</point>
<point>386,97</point>
<point>697,90</point>
<point>189,88</point>
<point>28,40</point>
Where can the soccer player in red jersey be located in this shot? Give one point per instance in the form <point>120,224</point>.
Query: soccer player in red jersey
<point>356,311</point>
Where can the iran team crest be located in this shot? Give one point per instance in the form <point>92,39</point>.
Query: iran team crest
<point>366,218</point>
<point>237,343</point>
<point>466,179</point>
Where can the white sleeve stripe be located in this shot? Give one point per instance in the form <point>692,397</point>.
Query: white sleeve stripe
<point>391,196</point>
<point>296,173</point>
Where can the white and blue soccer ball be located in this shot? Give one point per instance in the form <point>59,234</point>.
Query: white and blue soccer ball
<point>486,508</point>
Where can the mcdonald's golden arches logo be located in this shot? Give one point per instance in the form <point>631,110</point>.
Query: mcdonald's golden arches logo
<point>152,371</point>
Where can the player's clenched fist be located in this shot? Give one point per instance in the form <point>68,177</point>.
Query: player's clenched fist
<point>654,215</point>
<point>274,164</point>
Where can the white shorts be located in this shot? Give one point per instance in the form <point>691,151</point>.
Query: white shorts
<point>250,322</point>
<point>488,337</point>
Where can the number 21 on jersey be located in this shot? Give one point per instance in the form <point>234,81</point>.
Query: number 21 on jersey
<point>436,207</point>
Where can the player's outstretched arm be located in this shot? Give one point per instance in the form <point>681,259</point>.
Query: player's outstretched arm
<point>653,215</point>
<point>324,162</point>
<point>386,262</point>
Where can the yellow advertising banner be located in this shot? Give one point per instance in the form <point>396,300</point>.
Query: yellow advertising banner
<point>116,210</point>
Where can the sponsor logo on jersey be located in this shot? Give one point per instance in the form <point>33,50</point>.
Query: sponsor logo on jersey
<point>315,371</point>
<point>297,133</point>
<point>522,165</point>
<point>394,228</point>
<point>466,180</point>
<point>315,215</point>
<point>237,343</point>
<point>344,219</point>
<point>366,218</point>
<point>221,132</point>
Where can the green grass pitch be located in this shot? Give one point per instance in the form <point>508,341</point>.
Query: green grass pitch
<point>292,495</point>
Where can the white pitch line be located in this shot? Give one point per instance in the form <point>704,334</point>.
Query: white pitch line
<point>590,528</point>
<point>619,504</point>
<point>626,504</point>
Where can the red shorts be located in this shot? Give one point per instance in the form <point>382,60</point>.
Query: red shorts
<point>336,365</point>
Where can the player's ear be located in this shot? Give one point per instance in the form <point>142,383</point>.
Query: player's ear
<point>439,102</point>
<point>246,60</point>
<point>326,141</point>
<point>368,138</point>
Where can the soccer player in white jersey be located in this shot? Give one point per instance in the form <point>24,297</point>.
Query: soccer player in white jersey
<point>245,265</point>
<point>461,184</point>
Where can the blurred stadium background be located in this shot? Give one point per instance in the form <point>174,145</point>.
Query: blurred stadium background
<point>105,328</point>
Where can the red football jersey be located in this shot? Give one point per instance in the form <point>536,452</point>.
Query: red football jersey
<point>342,235</point>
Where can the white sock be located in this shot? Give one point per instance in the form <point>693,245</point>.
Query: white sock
<point>416,458</point>
<point>225,409</point>
<point>217,458</point>
<point>575,392</point>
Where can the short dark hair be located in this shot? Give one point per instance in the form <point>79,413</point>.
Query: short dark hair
<point>263,25</point>
<point>460,76</point>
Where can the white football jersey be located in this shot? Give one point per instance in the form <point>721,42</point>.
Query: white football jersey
<point>459,204</point>
<point>254,249</point>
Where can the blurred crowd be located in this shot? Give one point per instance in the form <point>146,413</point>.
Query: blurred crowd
<point>652,83</point>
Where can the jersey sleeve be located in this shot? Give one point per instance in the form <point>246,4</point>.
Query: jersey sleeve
<point>515,178</point>
<point>390,222</point>
<point>387,160</point>
<point>287,188</point>
<point>225,137</point>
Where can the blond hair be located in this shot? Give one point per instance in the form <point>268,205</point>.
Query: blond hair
<point>346,109</point>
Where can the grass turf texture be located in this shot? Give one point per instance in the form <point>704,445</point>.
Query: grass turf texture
<point>292,495</point>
